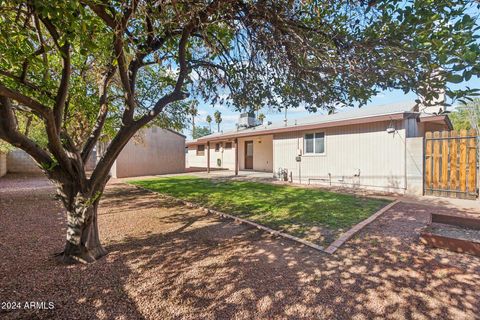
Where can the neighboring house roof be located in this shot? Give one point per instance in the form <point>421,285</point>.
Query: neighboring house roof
<point>354,116</point>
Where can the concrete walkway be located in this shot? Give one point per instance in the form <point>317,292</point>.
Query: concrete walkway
<point>472,206</point>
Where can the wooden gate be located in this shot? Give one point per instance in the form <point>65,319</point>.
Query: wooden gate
<point>450,164</point>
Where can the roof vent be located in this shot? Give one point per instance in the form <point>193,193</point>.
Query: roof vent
<point>247,120</point>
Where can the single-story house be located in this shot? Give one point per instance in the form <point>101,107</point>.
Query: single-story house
<point>152,151</point>
<point>379,148</point>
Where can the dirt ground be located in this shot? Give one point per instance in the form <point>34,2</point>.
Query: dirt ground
<point>170,262</point>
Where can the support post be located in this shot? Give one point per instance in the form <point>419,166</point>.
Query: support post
<point>208,157</point>
<point>236,156</point>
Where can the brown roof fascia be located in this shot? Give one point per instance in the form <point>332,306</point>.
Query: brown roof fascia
<point>443,118</point>
<point>240,134</point>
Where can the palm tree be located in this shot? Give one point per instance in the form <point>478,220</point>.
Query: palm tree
<point>218,119</point>
<point>261,117</point>
<point>193,111</point>
<point>209,120</point>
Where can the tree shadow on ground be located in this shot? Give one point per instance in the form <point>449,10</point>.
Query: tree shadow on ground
<point>191,265</point>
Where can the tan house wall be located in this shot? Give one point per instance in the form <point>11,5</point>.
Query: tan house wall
<point>18,161</point>
<point>366,150</point>
<point>155,151</point>
<point>3,164</point>
<point>262,153</point>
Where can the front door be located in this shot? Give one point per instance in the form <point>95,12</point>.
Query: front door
<point>249,155</point>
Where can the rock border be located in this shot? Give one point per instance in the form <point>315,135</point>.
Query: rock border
<point>330,249</point>
<point>344,237</point>
<point>449,243</point>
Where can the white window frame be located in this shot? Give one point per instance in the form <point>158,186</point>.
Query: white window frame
<point>313,154</point>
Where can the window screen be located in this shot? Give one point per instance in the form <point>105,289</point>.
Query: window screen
<point>315,143</point>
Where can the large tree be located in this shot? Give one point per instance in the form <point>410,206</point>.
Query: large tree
<point>193,110</point>
<point>466,115</point>
<point>68,61</point>
<point>201,132</point>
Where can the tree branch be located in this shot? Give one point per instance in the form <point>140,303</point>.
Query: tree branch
<point>62,92</point>
<point>9,132</point>
<point>102,116</point>
<point>27,84</point>
<point>38,108</point>
<point>101,13</point>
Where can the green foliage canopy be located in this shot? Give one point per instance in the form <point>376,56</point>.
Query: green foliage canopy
<point>201,132</point>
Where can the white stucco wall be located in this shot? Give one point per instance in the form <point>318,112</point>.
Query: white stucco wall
<point>368,150</point>
<point>262,155</point>
<point>226,156</point>
<point>195,161</point>
<point>18,161</point>
<point>157,151</point>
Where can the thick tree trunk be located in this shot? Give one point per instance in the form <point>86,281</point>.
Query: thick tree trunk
<point>83,241</point>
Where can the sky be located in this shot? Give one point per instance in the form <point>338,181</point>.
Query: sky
<point>230,117</point>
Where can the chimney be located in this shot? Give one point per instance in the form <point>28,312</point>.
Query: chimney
<point>437,104</point>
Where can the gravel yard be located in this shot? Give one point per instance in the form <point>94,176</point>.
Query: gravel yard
<point>167,261</point>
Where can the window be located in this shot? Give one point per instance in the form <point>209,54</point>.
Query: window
<point>315,143</point>
<point>228,145</point>
<point>218,146</point>
<point>201,150</point>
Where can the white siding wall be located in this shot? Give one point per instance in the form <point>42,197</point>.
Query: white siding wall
<point>160,151</point>
<point>367,149</point>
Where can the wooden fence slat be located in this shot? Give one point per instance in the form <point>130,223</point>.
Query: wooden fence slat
<point>472,162</point>
<point>463,162</point>
<point>450,163</point>
<point>445,159</point>
<point>436,162</point>
<point>428,162</point>
<point>453,163</point>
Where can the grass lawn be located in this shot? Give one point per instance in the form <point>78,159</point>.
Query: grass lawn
<point>312,214</point>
